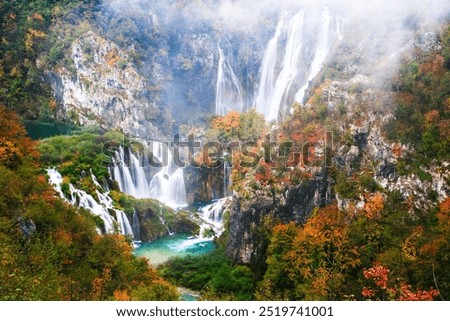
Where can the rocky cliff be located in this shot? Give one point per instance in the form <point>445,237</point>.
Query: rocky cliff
<point>361,108</point>
<point>253,217</point>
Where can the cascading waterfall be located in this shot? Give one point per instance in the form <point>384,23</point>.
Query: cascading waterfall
<point>163,222</point>
<point>213,212</point>
<point>228,88</point>
<point>292,59</point>
<point>326,39</point>
<point>124,223</point>
<point>102,208</point>
<point>269,65</point>
<point>167,185</point>
<point>277,103</point>
<point>212,215</point>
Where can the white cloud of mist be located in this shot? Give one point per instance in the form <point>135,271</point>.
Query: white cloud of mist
<point>246,14</point>
<point>383,25</point>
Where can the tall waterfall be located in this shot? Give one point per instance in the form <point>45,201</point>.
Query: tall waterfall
<point>326,39</point>
<point>167,185</point>
<point>293,57</point>
<point>102,208</point>
<point>228,88</point>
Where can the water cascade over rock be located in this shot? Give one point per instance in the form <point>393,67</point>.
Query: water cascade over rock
<point>102,208</point>
<point>212,216</point>
<point>292,59</point>
<point>135,178</point>
<point>228,88</point>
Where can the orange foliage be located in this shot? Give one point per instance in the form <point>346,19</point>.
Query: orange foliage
<point>374,206</point>
<point>99,283</point>
<point>121,295</point>
<point>435,66</point>
<point>321,252</point>
<point>380,276</point>
<point>444,216</point>
<point>37,17</point>
<point>14,144</point>
<point>112,57</point>
<point>397,150</point>
<point>64,236</point>
<point>228,122</point>
<point>431,117</point>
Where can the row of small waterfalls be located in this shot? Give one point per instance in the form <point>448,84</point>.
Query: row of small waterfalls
<point>135,177</point>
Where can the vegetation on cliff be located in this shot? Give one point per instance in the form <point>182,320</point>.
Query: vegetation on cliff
<point>51,250</point>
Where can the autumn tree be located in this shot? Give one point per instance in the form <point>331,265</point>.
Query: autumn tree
<point>313,260</point>
<point>382,287</point>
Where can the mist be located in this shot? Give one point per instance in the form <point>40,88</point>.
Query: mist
<point>375,36</point>
<point>245,15</point>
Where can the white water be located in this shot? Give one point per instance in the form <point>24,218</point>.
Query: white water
<point>163,222</point>
<point>268,72</point>
<point>228,88</point>
<point>212,216</point>
<point>84,200</point>
<point>167,185</point>
<point>292,59</point>
<point>326,40</point>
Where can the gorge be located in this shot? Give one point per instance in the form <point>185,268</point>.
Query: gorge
<point>314,138</point>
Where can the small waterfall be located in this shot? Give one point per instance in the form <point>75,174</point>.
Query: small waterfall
<point>228,88</point>
<point>102,208</point>
<point>212,216</point>
<point>124,224</point>
<point>167,185</point>
<point>163,222</point>
<point>292,59</point>
<point>136,226</point>
<point>214,211</point>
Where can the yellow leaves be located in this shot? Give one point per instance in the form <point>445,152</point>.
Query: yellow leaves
<point>409,246</point>
<point>121,295</point>
<point>31,37</point>
<point>9,153</point>
<point>99,283</point>
<point>15,72</point>
<point>374,205</point>
<point>52,104</point>
<point>314,256</point>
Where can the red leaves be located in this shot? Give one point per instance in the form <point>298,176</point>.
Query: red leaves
<point>384,287</point>
<point>379,274</point>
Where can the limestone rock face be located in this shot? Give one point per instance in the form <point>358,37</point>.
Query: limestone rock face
<point>251,219</point>
<point>102,87</point>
